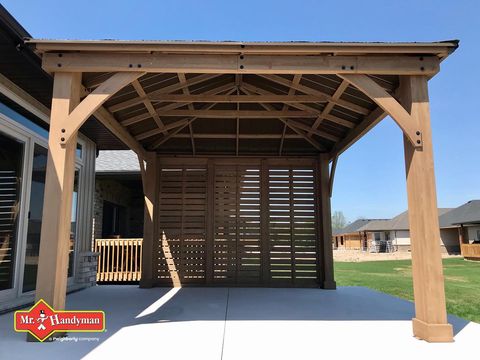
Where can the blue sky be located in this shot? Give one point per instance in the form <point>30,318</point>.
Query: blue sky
<point>370,178</point>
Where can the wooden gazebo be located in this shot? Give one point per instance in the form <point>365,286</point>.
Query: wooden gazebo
<point>235,142</point>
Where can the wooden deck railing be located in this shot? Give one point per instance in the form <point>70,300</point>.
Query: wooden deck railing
<point>471,251</point>
<point>119,260</point>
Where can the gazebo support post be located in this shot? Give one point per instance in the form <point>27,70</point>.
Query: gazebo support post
<point>430,322</point>
<point>57,207</point>
<point>325,223</point>
<point>148,167</point>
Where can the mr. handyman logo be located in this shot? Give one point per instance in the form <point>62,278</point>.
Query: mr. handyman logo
<point>42,321</point>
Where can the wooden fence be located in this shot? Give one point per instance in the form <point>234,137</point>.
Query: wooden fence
<point>471,251</point>
<point>119,260</point>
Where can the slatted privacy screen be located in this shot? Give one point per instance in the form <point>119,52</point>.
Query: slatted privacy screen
<point>182,217</point>
<point>292,225</point>
<point>262,219</point>
<point>237,256</point>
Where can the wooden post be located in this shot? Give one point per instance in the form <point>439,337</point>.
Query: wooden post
<point>430,322</point>
<point>325,224</point>
<point>149,172</point>
<point>57,206</point>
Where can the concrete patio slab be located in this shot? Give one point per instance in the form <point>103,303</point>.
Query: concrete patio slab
<point>241,323</point>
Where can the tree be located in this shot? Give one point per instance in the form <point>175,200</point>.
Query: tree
<point>338,220</point>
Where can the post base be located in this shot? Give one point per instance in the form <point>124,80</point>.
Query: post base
<point>329,285</point>
<point>432,332</point>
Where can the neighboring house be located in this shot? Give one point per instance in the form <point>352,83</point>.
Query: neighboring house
<point>118,209</point>
<point>392,235</point>
<point>25,100</point>
<point>354,236</point>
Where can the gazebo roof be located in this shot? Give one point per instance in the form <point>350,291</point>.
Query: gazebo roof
<point>243,98</point>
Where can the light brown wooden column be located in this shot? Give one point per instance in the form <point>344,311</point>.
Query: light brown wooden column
<point>150,228</point>
<point>430,322</point>
<point>325,223</point>
<point>57,206</point>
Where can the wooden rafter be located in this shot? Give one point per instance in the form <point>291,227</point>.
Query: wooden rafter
<point>165,90</point>
<point>153,132</point>
<point>253,114</point>
<point>284,120</point>
<point>235,136</point>
<point>141,117</point>
<point>200,98</point>
<point>164,139</point>
<point>291,91</point>
<point>183,81</point>
<point>308,90</point>
<point>146,101</point>
<point>335,119</point>
<point>326,110</point>
<point>249,89</point>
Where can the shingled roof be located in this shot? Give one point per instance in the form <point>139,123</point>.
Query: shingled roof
<point>468,213</point>
<point>117,161</point>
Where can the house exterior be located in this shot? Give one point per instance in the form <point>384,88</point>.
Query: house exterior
<point>25,102</point>
<point>118,201</point>
<point>457,225</point>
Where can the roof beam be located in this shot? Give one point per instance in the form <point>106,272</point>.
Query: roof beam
<point>291,91</point>
<point>151,110</point>
<point>165,90</point>
<point>308,90</point>
<point>183,81</point>
<point>221,114</point>
<point>326,110</point>
<point>240,63</point>
<point>302,106</point>
<point>137,118</point>
<point>178,98</point>
<point>312,142</point>
<point>234,136</point>
<point>164,139</point>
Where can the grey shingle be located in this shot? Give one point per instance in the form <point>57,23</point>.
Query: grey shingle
<point>117,161</point>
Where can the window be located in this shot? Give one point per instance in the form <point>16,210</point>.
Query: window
<point>387,235</point>
<point>114,220</point>
<point>37,189</point>
<point>377,236</point>
<point>11,175</point>
<point>79,151</point>
<point>74,224</point>
<point>478,235</point>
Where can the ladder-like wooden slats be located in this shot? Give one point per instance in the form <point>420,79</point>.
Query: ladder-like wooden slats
<point>182,217</point>
<point>119,259</point>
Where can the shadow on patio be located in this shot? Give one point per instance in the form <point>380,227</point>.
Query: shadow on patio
<point>190,322</point>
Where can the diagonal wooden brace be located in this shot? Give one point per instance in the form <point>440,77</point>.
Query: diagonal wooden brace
<point>389,104</point>
<point>92,102</point>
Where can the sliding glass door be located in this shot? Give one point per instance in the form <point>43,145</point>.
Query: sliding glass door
<point>37,189</point>
<point>11,177</point>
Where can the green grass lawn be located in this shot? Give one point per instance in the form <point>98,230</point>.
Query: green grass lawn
<point>394,277</point>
